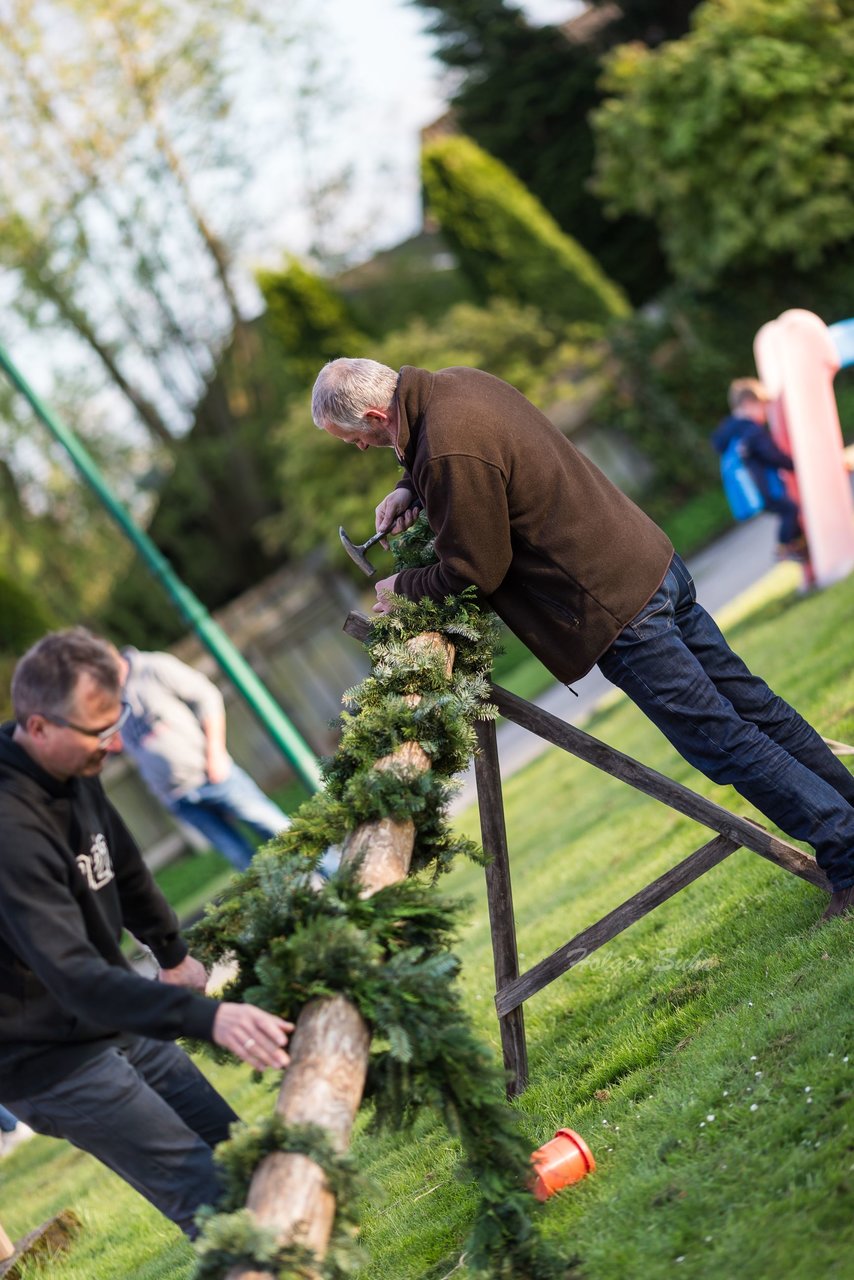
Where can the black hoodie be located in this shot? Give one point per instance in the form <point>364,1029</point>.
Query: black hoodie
<point>71,878</point>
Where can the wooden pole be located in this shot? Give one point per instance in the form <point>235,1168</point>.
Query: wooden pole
<point>741,831</point>
<point>626,914</point>
<point>329,1049</point>
<point>499,895</point>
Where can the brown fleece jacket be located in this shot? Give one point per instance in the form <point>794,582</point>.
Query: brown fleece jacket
<point>563,556</point>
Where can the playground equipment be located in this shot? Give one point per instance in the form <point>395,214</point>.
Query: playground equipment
<point>797,357</point>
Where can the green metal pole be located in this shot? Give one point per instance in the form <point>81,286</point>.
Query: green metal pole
<point>235,666</point>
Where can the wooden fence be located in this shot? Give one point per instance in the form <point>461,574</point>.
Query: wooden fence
<point>733,832</point>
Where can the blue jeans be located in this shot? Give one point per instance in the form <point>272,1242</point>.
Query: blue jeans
<point>8,1122</point>
<point>673,661</point>
<point>216,808</point>
<point>144,1110</point>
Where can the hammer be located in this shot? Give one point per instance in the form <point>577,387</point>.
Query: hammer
<point>357,554</point>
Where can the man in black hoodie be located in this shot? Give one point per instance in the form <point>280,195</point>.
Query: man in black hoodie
<point>87,1047</point>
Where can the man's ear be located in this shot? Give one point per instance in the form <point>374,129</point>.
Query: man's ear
<point>379,415</point>
<point>36,726</point>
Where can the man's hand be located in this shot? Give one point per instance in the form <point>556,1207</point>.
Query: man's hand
<point>250,1033</point>
<point>384,588</point>
<point>218,766</point>
<point>217,759</point>
<point>397,511</point>
<point>189,973</point>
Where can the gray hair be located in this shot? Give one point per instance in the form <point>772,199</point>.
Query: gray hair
<point>345,389</point>
<point>46,676</point>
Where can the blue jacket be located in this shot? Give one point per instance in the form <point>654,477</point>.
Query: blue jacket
<point>757,448</point>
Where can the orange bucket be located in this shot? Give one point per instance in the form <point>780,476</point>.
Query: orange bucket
<point>564,1160</point>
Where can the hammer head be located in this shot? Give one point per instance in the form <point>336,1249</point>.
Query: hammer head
<point>357,554</point>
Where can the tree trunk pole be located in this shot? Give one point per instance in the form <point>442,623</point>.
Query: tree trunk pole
<point>7,1249</point>
<point>330,1046</point>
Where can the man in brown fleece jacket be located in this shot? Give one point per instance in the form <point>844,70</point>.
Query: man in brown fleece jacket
<point>582,576</point>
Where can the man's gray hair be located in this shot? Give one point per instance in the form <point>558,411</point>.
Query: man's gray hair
<point>46,676</point>
<point>345,389</point>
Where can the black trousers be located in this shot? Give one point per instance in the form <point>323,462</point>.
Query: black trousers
<point>147,1112</point>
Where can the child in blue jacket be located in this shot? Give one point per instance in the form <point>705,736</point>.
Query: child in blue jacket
<point>747,423</point>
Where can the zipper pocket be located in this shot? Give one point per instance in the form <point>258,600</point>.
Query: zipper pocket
<point>555,606</point>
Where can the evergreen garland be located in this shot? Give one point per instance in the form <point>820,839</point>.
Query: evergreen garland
<point>389,954</point>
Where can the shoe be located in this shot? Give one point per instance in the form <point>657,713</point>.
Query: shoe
<point>21,1133</point>
<point>841,903</point>
<point>795,550</point>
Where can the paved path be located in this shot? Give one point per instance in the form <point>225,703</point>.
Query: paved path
<point>721,572</point>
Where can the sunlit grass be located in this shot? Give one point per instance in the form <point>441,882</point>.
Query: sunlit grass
<point>723,1003</point>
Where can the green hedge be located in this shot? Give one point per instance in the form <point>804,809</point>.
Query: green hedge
<point>506,242</point>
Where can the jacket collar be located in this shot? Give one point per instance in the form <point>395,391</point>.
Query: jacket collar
<point>414,388</point>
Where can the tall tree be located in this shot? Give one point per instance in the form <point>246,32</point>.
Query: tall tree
<point>121,159</point>
<point>525,94</point>
<point>124,155</point>
<point>506,242</point>
<point>737,139</point>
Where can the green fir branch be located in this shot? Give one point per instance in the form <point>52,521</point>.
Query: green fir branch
<point>389,954</point>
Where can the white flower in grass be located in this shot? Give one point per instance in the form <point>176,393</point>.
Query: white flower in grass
<point>758,1075</point>
<point>710,1117</point>
<point>807,1088</point>
<point>754,1106</point>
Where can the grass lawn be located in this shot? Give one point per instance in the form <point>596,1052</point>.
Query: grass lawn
<point>704,1054</point>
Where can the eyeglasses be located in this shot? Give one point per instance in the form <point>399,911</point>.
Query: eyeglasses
<point>103,735</point>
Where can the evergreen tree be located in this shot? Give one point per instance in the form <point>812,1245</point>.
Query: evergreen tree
<point>307,319</point>
<point>506,242</point>
<point>737,138</point>
<point>526,95</point>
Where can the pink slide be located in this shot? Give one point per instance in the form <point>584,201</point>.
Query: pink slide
<point>797,360</point>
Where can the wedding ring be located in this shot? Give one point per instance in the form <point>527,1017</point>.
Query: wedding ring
<point>247,1044</point>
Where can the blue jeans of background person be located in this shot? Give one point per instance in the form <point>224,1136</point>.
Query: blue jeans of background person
<point>790,518</point>
<point>145,1110</point>
<point>216,808</point>
<point>8,1122</point>
<point>673,661</point>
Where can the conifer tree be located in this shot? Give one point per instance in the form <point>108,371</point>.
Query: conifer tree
<point>506,242</point>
